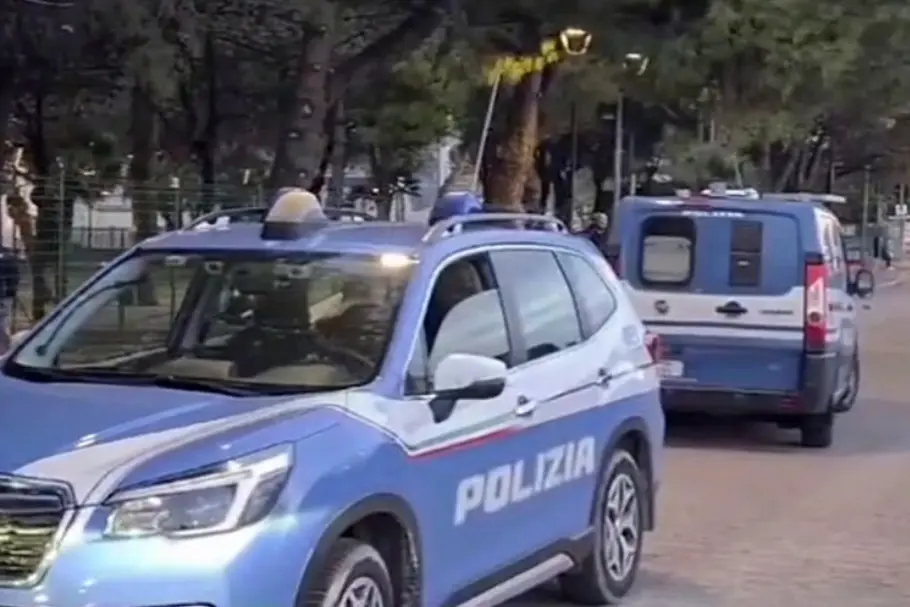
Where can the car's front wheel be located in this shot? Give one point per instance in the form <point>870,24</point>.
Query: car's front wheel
<point>354,575</point>
<point>608,574</point>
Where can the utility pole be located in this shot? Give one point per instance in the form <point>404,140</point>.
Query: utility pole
<point>617,152</point>
<point>864,226</point>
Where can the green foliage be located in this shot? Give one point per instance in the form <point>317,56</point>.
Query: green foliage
<point>414,107</point>
<point>761,71</point>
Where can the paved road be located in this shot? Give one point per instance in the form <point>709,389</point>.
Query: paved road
<point>747,519</point>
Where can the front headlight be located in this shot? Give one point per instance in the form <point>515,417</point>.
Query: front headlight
<point>238,493</point>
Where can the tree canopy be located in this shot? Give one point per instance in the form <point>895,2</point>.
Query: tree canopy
<point>225,94</point>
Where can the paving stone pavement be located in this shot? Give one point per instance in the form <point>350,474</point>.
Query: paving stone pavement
<point>748,519</point>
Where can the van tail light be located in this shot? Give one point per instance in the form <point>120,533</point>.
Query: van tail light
<point>654,346</point>
<point>816,321</point>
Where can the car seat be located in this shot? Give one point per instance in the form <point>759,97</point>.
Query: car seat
<point>456,283</point>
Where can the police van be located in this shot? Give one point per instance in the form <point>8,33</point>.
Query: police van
<point>753,302</point>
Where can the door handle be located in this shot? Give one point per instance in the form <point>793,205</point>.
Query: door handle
<point>603,377</point>
<point>731,308</point>
<point>525,407</point>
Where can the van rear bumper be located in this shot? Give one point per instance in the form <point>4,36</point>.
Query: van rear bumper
<point>814,395</point>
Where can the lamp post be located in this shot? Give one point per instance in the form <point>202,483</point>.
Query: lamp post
<point>635,64</point>
<point>574,42</point>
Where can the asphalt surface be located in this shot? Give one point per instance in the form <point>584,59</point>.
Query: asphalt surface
<point>749,519</point>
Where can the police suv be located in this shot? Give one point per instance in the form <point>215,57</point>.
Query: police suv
<point>271,406</point>
<point>753,301</point>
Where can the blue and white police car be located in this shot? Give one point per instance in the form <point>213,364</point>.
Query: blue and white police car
<point>271,408</point>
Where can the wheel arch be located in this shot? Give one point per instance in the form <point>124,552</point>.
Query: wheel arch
<point>632,431</point>
<point>388,504</point>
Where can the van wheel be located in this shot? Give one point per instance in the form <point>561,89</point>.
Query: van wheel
<point>354,574</point>
<point>852,392</point>
<point>608,573</point>
<point>817,431</point>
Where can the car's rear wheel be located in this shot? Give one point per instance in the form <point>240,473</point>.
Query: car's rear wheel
<point>608,574</point>
<point>817,431</point>
<point>852,391</point>
<point>354,575</point>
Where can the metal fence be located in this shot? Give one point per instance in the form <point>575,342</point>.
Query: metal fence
<point>80,227</point>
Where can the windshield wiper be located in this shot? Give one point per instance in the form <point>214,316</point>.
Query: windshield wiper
<point>203,385</point>
<point>109,376</point>
<point>38,374</point>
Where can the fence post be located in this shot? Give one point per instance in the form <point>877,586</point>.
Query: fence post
<point>60,282</point>
<point>178,209</point>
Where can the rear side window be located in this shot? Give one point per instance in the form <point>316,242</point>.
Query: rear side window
<point>596,303</point>
<point>668,250</point>
<point>746,237</point>
<point>546,310</point>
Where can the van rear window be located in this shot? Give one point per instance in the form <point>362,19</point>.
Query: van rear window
<point>745,253</point>
<point>668,251</point>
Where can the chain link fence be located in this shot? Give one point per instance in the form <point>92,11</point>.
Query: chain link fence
<point>80,226</point>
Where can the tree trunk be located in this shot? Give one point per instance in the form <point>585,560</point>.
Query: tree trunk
<point>793,159</point>
<point>51,208</point>
<point>513,161</point>
<point>208,143</point>
<point>7,100</point>
<point>142,132</point>
<point>302,110</point>
<point>337,157</point>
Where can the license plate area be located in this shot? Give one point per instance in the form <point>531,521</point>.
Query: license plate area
<point>670,368</point>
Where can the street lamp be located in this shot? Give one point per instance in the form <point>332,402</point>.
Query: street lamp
<point>575,42</point>
<point>634,64</point>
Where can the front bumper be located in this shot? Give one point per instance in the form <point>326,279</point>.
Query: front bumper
<point>243,568</point>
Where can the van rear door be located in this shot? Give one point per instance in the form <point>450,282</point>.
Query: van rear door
<point>724,290</point>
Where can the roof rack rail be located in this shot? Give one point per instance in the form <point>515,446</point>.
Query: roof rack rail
<point>808,197</point>
<point>246,215</point>
<point>258,215</point>
<point>518,221</point>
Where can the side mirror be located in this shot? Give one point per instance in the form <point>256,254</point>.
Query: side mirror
<point>465,376</point>
<point>863,284</point>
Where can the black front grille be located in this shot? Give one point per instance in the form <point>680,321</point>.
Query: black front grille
<point>30,514</point>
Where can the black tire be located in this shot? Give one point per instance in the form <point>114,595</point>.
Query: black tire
<point>350,562</point>
<point>593,583</point>
<point>817,431</point>
<point>850,398</point>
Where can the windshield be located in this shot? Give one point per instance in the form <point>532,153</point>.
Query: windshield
<point>302,322</point>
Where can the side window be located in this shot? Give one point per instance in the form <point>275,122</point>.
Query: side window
<point>837,248</point>
<point>546,310</point>
<point>464,316</point>
<point>595,302</point>
<point>667,251</point>
<point>745,253</point>
<point>839,259</point>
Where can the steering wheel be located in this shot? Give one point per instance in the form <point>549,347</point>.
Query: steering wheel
<point>340,353</point>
